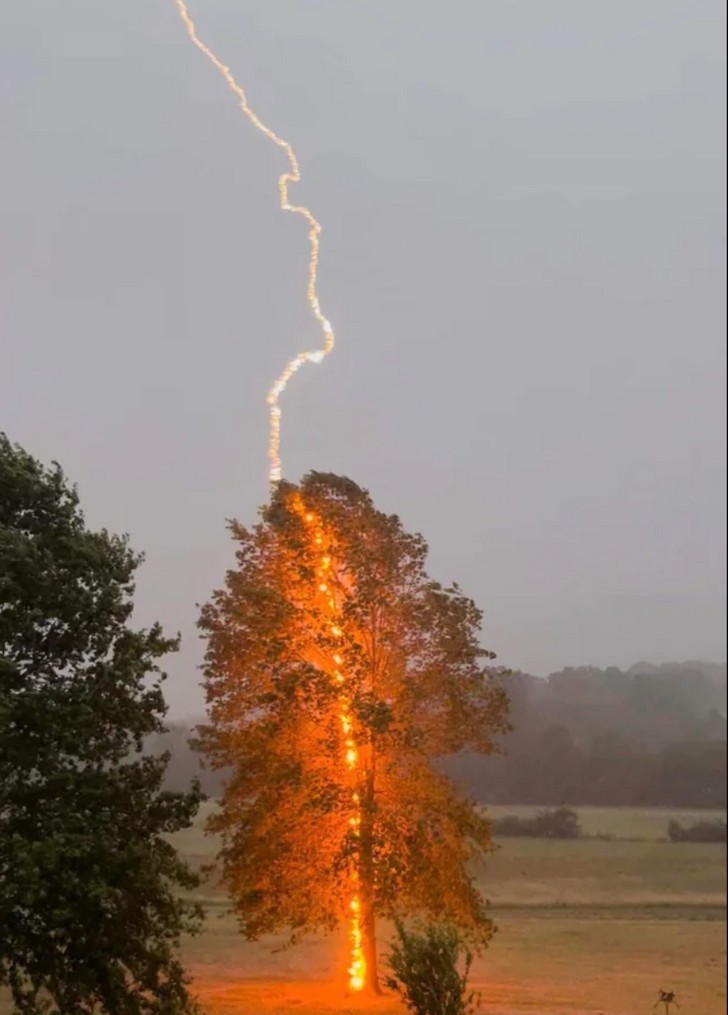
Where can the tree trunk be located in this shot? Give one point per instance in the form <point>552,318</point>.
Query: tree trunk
<point>366,880</point>
<point>369,931</point>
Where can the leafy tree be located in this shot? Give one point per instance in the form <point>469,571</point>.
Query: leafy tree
<point>89,916</point>
<point>336,673</point>
<point>562,823</point>
<point>701,831</point>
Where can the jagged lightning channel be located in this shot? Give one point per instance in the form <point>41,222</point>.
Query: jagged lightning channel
<point>292,175</point>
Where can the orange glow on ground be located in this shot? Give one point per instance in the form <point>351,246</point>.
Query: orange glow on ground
<point>225,995</point>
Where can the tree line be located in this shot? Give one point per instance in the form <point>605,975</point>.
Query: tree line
<point>646,736</point>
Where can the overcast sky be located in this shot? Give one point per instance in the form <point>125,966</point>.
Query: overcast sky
<point>522,255</point>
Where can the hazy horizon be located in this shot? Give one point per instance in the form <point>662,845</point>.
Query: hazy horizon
<point>523,255</point>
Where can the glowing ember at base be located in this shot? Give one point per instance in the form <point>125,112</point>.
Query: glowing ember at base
<point>357,969</point>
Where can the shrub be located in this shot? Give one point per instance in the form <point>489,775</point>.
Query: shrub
<point>426,968</point>
<point>562,823</point>
<point>702,831</point>
<point>514,828</point>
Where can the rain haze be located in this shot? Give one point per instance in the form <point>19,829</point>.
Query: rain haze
<point>522,255</point>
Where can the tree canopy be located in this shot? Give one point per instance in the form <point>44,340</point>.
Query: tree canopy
<point>336,673</point>
<point>89,913</point>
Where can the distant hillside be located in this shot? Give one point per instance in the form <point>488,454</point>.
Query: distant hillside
<point>651,735</point>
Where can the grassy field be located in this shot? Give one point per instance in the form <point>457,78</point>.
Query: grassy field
<point>588,926</point>
<point>629,823</point>
<point>584,927</point>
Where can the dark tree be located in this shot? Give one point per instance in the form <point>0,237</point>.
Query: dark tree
<point>89,914</point>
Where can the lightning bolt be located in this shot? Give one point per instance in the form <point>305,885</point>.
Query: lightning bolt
<point>357,968</point>
<point>292,175</point>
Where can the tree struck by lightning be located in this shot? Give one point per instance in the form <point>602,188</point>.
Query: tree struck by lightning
<point>336,674</point>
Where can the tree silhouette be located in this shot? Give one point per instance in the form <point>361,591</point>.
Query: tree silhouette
<point>90,915</point>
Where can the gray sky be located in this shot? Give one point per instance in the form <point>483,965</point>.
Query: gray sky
<point>522,255</point>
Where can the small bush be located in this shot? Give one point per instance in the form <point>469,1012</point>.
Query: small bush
<point>562,823</point>
<point>426,971</point>
<point>513,827</point>
<point>702,831</point>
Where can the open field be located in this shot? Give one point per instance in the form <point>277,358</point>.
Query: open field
<point>539,963</point>
<point>584,926</point>
<point>587,926</point>
<point>621,822</point>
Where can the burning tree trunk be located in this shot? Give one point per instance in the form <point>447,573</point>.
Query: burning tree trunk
<point>370,948</point>
<point>367,876</point>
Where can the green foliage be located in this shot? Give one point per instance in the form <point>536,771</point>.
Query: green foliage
<point>562,823</point>
<point>701,831</point>
<point>89,914</point>
<point>430,971</point>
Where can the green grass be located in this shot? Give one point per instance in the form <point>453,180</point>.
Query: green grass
<point>638,868</point>
<point>584,927</point>
<point>649,824</point>
<point>604,874</point>
<point>625,823</point>
<point>544,964</point>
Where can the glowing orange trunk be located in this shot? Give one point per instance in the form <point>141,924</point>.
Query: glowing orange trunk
<point>357,970</point>
<point>366,873</point>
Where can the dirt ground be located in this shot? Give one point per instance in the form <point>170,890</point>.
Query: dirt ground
<point>585,927</point>
<point>558,964</point>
